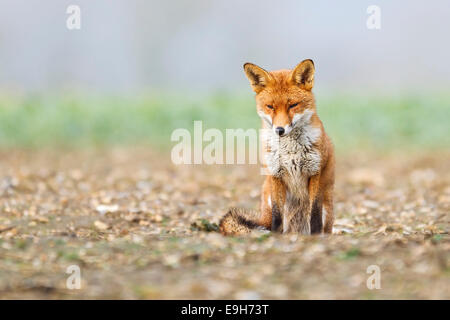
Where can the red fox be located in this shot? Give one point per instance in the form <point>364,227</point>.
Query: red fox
<point>297,195</point>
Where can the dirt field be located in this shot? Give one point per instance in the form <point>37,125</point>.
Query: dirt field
<point>139,227</point>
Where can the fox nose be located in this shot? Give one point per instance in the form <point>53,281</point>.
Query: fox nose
<point>279,131</point>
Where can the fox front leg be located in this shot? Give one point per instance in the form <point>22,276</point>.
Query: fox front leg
<point>315,205</point>
<point>278,198</point>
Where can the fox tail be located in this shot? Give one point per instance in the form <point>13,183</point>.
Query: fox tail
<point>238,221</point>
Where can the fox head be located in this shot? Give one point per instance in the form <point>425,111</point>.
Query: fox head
<point>283,98</point>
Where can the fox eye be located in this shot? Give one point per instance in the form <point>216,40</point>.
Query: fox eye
<point>293,105</point>
<point>269,106</point>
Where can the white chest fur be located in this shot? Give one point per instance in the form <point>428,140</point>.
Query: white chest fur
<point>294,159</point>
<point>294,156</point>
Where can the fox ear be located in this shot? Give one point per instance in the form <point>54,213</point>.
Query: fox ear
<point>258,77</point>
<point>303,74</point>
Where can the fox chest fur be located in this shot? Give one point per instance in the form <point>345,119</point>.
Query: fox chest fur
<point>294,159</point>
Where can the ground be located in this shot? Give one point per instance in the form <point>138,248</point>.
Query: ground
<point>138,226</point>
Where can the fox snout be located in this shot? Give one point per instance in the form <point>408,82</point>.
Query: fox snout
<point>282,130</point>
<point>279,131</point>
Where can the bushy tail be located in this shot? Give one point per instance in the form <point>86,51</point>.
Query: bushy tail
<point>239,221</point>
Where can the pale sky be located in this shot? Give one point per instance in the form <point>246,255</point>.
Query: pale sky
<point>194,45</point>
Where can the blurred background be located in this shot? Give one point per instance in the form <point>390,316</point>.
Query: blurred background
<point>86,118</point>
<point>136,70</point>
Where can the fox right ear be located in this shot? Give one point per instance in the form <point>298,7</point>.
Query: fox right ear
<point>258,77</point>
<point>303,74</point>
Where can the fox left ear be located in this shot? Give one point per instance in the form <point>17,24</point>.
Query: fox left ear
<point>303,74</point>
<point>258,77</point>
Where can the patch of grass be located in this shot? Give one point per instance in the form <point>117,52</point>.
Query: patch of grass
<point>21,244</point>
<point>59,242</point>
<point>238,239</point>
<point>437,238</point>
<point>69,256</point>
<point>349,254</point>
<point>353,121</point>
<point>174,239</point>
<point>263,237</point>
<point>204,225</point>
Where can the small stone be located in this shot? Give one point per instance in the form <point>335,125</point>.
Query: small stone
<point>101,225</point>
<point>247,295</point>
<point>104,208</point>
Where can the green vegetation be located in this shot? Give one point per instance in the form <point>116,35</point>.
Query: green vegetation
<point>413,121</point>
<point>349,254</point>
<point>204,225</point>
